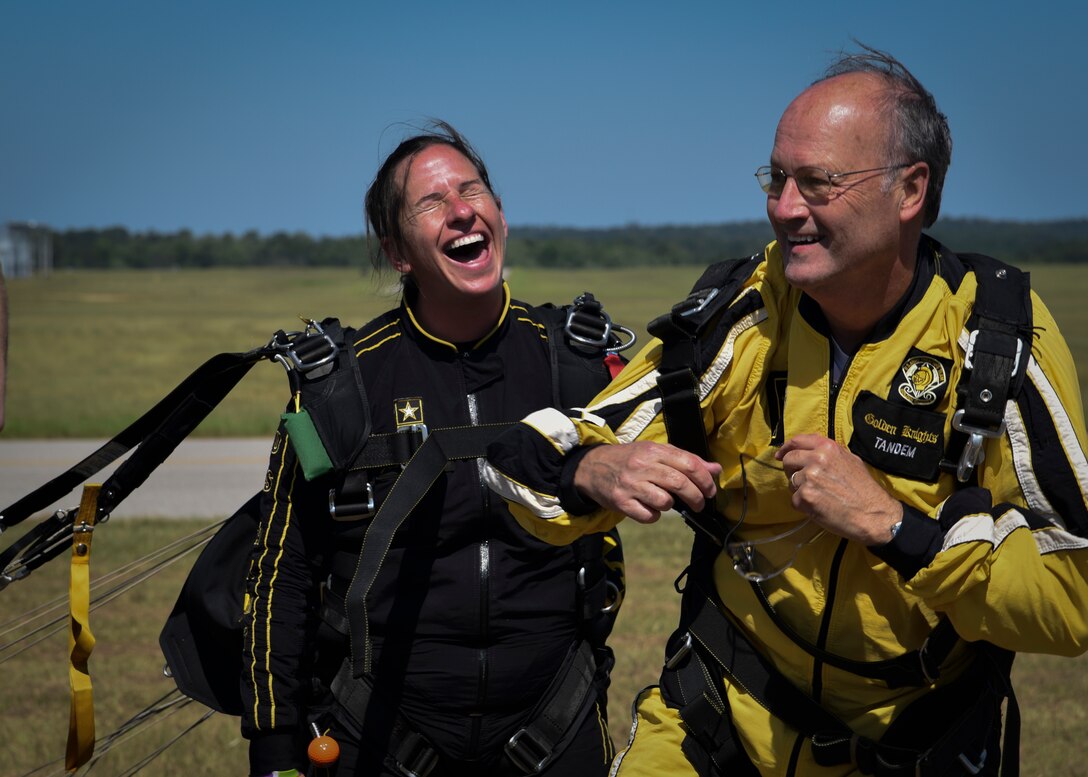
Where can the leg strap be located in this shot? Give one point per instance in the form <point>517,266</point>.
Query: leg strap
<point>567,701</point>
<point>409,752</point>
<point>562,709</point>
<point>958,724</point>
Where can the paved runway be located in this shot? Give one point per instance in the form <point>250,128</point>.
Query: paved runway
<point>202,478</point>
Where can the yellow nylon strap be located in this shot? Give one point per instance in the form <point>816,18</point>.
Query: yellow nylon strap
<point>80,639</point>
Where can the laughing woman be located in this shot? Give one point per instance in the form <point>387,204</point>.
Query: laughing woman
<point>482,654</point>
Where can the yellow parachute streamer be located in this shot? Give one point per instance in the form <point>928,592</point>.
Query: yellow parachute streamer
<point>80,639</point>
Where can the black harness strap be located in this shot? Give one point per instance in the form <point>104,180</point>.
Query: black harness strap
<point>420,473</point>
<point>353,499</point>
<point>679,332</point>
<point>915,668</point>
<point>398,448</point>
<point>411,752</point>
<point>565,703</point>
<point>924,740</point>
<point>996,362</point>
<point>332,393</point>
<point>155,435</point>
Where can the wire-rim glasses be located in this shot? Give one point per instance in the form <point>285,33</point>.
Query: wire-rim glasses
<point>760,559</point>
<point>814,183</point>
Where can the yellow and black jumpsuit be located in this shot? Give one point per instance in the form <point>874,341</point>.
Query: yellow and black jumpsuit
<point>470,617</point>
<point>1006,560</point>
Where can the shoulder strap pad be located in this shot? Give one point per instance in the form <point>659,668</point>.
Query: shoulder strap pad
<point>583,344</point>
<point>679,331</point>
<point>714,290</point>
<point>325,372</point>
<point>996,361</point>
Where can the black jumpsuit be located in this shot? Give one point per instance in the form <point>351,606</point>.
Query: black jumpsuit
<point>470,616</point>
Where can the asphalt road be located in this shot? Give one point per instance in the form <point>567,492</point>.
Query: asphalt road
<point>202,478</point>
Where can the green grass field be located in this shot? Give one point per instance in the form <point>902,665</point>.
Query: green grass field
<point>90,352</point>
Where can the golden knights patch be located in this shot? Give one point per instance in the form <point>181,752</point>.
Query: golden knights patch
<point>924,379</point>
<point>903,434</point>
<point>408,411</point>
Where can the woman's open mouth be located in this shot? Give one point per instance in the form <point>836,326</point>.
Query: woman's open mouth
<point>467,248</point>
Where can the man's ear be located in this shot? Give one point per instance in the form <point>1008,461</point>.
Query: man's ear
<point>915,186</point>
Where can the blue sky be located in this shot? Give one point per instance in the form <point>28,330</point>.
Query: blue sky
<point>229,116</point>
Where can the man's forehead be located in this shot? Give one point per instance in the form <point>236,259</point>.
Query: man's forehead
<point>831,117</point>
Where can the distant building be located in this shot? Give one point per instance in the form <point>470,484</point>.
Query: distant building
<point>26,248</point>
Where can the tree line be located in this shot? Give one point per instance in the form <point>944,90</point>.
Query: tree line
<point>1018,243</point>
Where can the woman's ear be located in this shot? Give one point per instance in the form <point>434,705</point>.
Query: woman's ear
<point>399,264</point>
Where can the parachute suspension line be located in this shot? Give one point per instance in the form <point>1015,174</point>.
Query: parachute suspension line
<point>56,607</point>
<point>158,711</point>
<point>138,767</point>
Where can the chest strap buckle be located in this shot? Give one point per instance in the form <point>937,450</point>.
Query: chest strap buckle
<point>973,454</point>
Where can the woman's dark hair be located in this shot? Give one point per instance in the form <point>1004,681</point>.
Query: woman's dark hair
<point>919,131</point>
<point>385,198</point>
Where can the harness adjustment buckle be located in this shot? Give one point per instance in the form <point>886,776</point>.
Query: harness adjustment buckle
<point>695,302</point>
<point>612,597</point>
<point>970,767</point>
<point>673,661</point>
<point>304,351</point>
<point>527,752</point>
<point>416,435</point>
<point>420,429</point>
<point>588,324</point>
<point>415,756</point>
<point>352,511</point>
<point>972,455</point>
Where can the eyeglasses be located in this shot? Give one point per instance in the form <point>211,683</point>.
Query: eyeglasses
<point>767,557</point>
<point>758,558</point>
<point>814,183</point>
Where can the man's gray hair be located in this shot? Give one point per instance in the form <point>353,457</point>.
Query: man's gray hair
<point>918,130</point>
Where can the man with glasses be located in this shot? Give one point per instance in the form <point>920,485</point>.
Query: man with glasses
<point>868,554</point>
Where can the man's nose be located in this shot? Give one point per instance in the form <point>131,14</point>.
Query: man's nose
<point>790,204</point>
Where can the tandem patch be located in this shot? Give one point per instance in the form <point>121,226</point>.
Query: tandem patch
<point>898,439</point>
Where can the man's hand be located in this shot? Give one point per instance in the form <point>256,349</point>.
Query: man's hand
<point>643,479</point>
<point>834,486</point>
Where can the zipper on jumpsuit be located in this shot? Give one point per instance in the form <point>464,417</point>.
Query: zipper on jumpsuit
<point>484,572</point>
<point>836,562</point>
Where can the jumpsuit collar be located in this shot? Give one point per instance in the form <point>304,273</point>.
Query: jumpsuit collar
<point>410,299</point>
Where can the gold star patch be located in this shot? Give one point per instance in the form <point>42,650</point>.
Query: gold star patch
<point>409,411</point>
